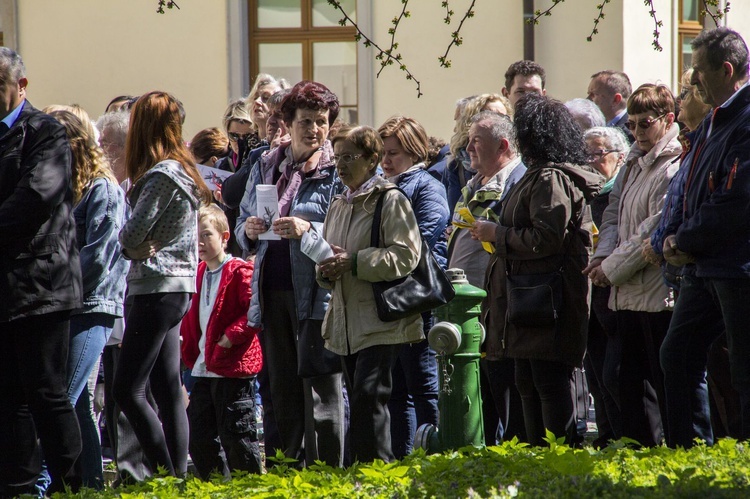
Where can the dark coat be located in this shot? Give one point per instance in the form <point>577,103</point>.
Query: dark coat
<point>40,272</point>
<point>714,226</point>
<point>543,228</point>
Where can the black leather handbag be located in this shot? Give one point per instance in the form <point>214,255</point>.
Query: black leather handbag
<point>425,288</point>
<point>534,300</point>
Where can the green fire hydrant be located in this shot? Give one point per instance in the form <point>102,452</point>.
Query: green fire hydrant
<point>457,339</point>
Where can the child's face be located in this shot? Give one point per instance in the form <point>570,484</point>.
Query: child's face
<point>211,244</point>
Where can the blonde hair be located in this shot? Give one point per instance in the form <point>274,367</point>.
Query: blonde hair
<point>472,107</point>
<point>215,216</point>
<point>89,162</point>
<point>237,110</point>
<point>78,111</point>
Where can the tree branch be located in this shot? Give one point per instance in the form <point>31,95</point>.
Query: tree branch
<point>657,24</point>
<point>718,12</point>
<point>168,3</point>
<point>538,14</point>
<point>386,57</point>
<point>455,36</point>
<point>599,17</point>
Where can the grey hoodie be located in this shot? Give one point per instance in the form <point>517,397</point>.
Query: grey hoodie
<point>165,206</point>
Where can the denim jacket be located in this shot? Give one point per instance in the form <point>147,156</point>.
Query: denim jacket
<point>99,216</point>
<point>311,204</point>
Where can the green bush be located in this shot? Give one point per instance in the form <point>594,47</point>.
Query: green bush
<point>509,470</point>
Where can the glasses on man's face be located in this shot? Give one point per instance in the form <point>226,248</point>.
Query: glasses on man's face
<point>237,137</point>
<point>598,155</point>
<point>643,124</point>
<point>346,158</point>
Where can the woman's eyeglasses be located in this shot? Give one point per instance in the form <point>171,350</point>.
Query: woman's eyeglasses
<point>236,137</point>
<point>643,124</point>
<point>346,158</point>
<point>598,155</point>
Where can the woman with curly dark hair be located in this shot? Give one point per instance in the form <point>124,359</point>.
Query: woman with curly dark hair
<point>542,231</point>
<point>286,297</point>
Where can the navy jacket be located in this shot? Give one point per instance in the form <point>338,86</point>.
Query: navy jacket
<point>428,201</point>
<point>40,271</point>
<point>715,227</point>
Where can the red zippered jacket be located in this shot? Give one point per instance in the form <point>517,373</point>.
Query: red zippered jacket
<point>229,316</point>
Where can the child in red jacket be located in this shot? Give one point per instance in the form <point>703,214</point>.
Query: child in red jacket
<point>224,355</point>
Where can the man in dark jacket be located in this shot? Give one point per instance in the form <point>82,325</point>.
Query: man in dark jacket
<point>40,283</point>
<point>709,234</point>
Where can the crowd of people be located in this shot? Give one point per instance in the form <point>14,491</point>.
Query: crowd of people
<point>208,312</point>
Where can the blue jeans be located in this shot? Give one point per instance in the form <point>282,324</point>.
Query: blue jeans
<point>88,335</point>
<point>414,398</point>
<point>733,298</point>
<point>696,323</point>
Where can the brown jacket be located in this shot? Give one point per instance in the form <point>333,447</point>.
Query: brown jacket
<point>544,225</point>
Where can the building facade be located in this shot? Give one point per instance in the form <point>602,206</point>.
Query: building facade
<point>207,51</point>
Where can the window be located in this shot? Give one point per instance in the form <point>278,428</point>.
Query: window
<point>302,40</point>
<point>689,26</point>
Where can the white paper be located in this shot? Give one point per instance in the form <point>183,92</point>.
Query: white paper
<point>314,246</point>
<point>213,177</point>
<point>268,209</point>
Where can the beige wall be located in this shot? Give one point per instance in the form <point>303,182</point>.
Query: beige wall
<point>562,49</point>
<point>88,51</point>
<point>492,40</point>
<point>641,61</point>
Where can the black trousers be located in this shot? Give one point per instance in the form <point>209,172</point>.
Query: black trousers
<point>369,383</point>
<point>35,403</point>
<point>642,399</point>
<point>306,410</point>
<point>150,356</point>
<point>132,464</point>
<point>223,430</point>
<point>545,388</point>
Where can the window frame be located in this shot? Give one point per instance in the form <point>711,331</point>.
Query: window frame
<point>686,28</point>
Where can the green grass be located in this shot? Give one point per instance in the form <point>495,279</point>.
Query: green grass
<point>509,470</point>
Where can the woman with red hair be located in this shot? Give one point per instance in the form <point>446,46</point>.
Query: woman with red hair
<point>160,238</point>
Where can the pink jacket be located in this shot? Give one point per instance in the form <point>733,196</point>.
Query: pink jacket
<point>229,316</point>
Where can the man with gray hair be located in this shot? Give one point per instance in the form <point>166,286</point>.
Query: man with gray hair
<point>610,91</point>
<point>494,155</point>
<point>113,130</point>
<point>40,283</point>
<point>705,230</point>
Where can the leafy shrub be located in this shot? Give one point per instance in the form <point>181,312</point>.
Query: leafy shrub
<point>510,470</point>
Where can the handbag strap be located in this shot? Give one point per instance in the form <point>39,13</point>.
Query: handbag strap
<point>375,230</point>
<point>377,215</point>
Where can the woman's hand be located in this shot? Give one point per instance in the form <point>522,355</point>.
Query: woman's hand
<point>254,226</point>
<point>143,251</point>
<point>290,227</point>
<point>334,267</point>
<point>599,278</point>
<point>649,254</point>
<point>224,342</point>
<point>484,231</point>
